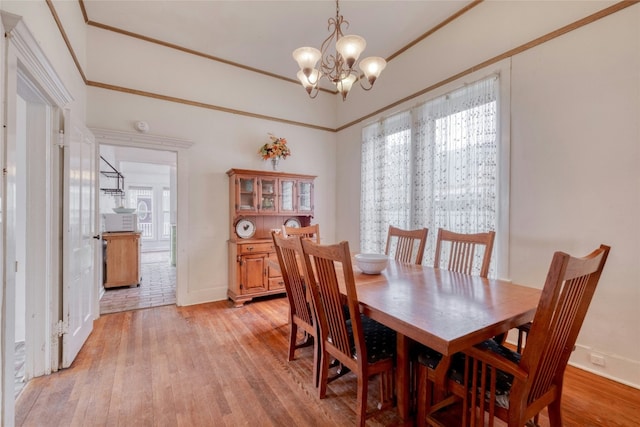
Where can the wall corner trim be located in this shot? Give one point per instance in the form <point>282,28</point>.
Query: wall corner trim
<point>34,59</point>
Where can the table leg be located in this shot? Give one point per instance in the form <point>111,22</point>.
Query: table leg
<point>403,377</point>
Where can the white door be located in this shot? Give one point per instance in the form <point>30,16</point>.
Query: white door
<point>79,245</point>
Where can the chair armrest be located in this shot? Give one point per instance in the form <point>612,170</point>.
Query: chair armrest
<point>493,359</point>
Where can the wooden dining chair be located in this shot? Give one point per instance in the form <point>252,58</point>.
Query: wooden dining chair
<point>360,344</point>
<point>289,252</point>
<point>462,251</point>
<point>310,232</point>
<point>515,387</point>
<point>404,242</point>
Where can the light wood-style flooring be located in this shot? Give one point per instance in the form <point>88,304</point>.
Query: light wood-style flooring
<point>214,365</point>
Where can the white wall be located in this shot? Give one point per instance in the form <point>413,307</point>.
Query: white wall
<point>221,141</point>
<point>575,150</point>
<point>38,18</point>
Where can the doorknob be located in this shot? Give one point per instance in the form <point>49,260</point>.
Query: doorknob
<point>97,237</point>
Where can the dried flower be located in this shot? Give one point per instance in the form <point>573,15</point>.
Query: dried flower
<point>276,148</point>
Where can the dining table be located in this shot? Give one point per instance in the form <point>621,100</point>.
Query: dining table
<point>444,310</point>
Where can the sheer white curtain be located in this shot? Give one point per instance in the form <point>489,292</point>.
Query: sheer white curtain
<point>386,183</point>
<point>443,174</point>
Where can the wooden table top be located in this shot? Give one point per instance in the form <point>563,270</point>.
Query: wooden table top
<point>444,310</point>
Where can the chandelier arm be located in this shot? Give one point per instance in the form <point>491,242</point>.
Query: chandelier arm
<point>361,78</point>
<point>314,83</point>
<point>312,94</point>
<point>332,64</point>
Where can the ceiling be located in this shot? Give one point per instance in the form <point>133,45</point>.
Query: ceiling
<point>262,34</point>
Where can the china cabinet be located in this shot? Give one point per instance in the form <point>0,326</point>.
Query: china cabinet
<point>261,201</point>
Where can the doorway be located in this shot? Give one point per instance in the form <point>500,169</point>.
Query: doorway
<point>147,184</point>
<point>32,225</point>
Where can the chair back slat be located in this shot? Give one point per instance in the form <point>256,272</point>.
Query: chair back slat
<point>310,232</point>
<point>568,290</point>
<point>288,251</point>
<point>330,299</point>
<point>407,242</point>
<point>320,263</point>
<point>464,252</point>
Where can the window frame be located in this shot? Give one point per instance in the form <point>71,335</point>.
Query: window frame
<point>503,132</point>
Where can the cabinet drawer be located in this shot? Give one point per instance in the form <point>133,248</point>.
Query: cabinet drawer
<point>276,283</point>
<point>252,248</point>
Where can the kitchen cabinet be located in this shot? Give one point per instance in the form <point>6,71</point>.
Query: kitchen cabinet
<point>261,201</point>
<point>121,259</point>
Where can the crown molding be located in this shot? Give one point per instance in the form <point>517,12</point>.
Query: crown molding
<point>33,58</point>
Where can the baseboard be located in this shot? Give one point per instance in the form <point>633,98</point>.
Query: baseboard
<point>202,296</point>
<point>616,368</point>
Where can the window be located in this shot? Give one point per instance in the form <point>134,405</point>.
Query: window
<point>434,166</point>
<point>166,213</point>
<point>142,199</point>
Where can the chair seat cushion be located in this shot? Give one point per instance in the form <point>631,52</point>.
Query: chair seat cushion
<point>504,381</point>
<point>380,340</point>
<point>427,356</point>
<point>431,359</point>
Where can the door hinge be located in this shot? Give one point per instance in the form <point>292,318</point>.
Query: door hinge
<point>60,142</point>
<point>61,328</point>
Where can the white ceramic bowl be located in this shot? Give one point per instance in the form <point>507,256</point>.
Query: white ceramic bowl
<point>371,263</point>
<point>124,210</point>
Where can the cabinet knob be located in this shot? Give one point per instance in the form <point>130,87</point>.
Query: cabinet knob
<point>249,248</point>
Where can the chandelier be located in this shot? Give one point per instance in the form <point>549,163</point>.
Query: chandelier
<point>337,61</point>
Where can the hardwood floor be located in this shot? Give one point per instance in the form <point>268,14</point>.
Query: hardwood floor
<point>211,364</point>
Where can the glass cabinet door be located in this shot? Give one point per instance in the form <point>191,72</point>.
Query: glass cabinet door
<point>268,200</point>
<point>246,195</point>
<point>287,195</point>
<point>305,197</point>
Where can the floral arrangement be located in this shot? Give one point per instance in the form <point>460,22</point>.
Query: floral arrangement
<point>276,148</point>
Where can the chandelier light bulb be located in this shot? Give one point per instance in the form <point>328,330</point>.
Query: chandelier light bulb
<point>344,85</point>
<point>350,47</point>
<point>372,67</point>
<point>309,82</point>
<point>307,58</point>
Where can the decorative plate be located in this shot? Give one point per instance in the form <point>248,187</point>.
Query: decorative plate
<point>245,228</point>
<point>292,222</point>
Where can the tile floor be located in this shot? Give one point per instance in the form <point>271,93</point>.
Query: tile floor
<point>158,287</point>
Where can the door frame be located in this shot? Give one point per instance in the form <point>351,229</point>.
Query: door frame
<point>22,57</point>
<point>180,147</point>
